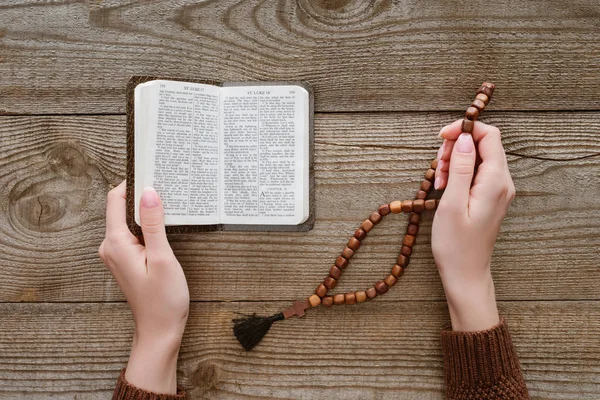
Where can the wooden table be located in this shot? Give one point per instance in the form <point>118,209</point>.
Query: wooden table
<point>387,76</point>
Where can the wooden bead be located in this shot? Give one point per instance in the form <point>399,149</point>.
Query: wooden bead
<point>414,217</point>
<point>467,126</point>
<point>434,164</point>
<point>381,287</point>
<point>407,206</point>
<point>478,104</point>
<point>327,301</point>
<point>430,174</point>
<point>426,185</point>
<point>367,225</point>
<point>347,253</point>
<point>488,91</point>
<point>371,293</point>
<point>354,243</point>
<point>389,280</point>
<point>472,113</point>
<point>330,282</point>
<point>397,271</point>
<point>384,209</point>
<point>361,296</point>
<point>406,250</point>
<point>421,194</point>
<point>341,262</point>
<point>314,300</point>
<point>483,98</point>
<point>402,260</point>
<point>360,234</point>
<point>418,205</point>
<point>350,298</point>
<point>396,206</point>
<point>409,240</point>
<point>375,217</point>
<point>412,229</point>
<point>321,290</point>
<point>339,299</point>
<point>335,272</point>
<point>430,204</point>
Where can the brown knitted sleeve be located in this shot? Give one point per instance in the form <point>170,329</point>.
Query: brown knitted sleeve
<point>126,391</point>
<point>482,365</point>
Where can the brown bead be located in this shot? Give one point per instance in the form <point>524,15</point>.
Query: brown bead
<point>354,243</point>
<point>339,299</point>
<point>350,298</point>
<point>381,287</point>
<point>360,234</point>
<point>327,301</point>
<point>418,205</point>
<point>467,126</point>
<point>396,206</point>
<point>335,272</point>
<point>330,282</point>
<point>371,293</point>
<point>367,225</point>
<point>478,104</point>
<point>430,174</point>
<point>487,90</point>
<point>361,296</point>
<point>407,206</point>
<point>347,253</point>
<point>397,271</point>
<point>375,217</point>
<point>341,262</point>
<point>430,204</point>
<point>389,280</point>
<point>406,250</point>
<point>414,217</point>
<point>412,229</point>
<point>472,113</point>
<point>409,240</point>
<point>314,300</point>
<point>321,290</point>
<point>434,164</point>
<point>483,98</point>
<point>426,185</point>
<point>384,209</point>
<point>421,194</point>
<point>402,260</point>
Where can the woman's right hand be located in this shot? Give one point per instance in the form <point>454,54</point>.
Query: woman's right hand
<point>468,220</point>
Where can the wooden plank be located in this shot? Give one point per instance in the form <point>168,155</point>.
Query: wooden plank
<point>76,57</point>
<point>375,350</point>
<point>55,173</point>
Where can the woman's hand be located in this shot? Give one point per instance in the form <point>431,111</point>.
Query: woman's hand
<point>154,285</point>
<point>468,219</point>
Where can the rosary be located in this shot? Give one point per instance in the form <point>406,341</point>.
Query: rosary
<point>250,330</point>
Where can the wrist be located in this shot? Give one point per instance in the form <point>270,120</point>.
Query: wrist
<point>473,307</point>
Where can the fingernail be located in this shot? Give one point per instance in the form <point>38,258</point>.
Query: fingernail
<point>464,144</point>
<point>440,164</point>
<point>150,198</point>
<point>440,151</point>
<point>444,129</point>
<point>436,183</point>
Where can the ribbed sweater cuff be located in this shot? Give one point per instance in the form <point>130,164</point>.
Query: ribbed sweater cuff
<point>126,391</point>
<point>480,358</point>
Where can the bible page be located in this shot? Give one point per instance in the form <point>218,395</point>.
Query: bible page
<point>264,155</point>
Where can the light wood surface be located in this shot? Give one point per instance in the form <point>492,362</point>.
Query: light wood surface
<point>387,76</point>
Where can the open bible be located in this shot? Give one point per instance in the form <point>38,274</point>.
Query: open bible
<point>231,155</point>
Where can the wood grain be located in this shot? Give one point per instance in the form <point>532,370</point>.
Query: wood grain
<point>76,57</point>
<point>373,351</point>
<point>55,173</point>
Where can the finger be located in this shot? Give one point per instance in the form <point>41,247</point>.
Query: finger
<point>460,175</point>
<point>443,164</point>
<point>152,218</point>
<point>115,210</point>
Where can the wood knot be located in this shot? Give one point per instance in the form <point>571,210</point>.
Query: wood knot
<point>206,376</point>
<point>65,160</point>
<point>342,13</point>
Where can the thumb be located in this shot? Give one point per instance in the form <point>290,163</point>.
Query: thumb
<point>152,220</point>
<point>460,176</point>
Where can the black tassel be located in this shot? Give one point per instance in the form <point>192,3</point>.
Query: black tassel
<point>250,330</point>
